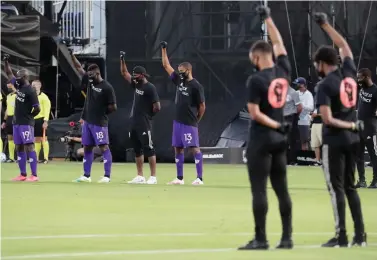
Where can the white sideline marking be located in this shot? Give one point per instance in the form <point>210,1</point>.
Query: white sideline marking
<point>163,235</point>
<point>140,252</point>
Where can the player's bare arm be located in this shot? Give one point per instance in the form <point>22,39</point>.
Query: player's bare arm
<point>123,67</point>
<point>339,41</point>
<point>328,119</point>
<point>260,117</point>
<point>156,107</point>
<point>77,64</point>
<point>7,68</point>
<point>165,60</point>
<point>273,32</point>
<point>201,110</point>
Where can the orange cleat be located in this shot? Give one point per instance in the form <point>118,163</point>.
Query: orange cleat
<point>19,178</point>
<point>32,178</point>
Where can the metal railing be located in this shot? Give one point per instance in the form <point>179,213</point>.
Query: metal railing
<point>77,18</point>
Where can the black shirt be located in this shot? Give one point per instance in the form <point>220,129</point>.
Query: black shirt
<point>145,96</point>
<point>268,88</point>
<point>367,107</point>
<point>338,90</point>
<point>98,97</point>
<point>26,99</point>
<point>189,96</point>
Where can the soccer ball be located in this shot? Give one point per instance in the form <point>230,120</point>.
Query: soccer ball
<point>3,157</point>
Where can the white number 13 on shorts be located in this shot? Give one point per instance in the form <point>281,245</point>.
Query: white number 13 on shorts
<point>188,138</point>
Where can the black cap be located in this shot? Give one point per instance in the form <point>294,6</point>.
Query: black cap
<point>140,70</point>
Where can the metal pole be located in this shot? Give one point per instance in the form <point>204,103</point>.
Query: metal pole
<point>57,81</point>
<point>265,34</point>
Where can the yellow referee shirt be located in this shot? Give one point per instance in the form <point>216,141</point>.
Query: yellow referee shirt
<point>11,99</point>
<point>45,105</point>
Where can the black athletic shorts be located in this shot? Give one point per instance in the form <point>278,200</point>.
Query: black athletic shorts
<point>140,138</point>
<point>9,127</point>
<point>38,129</point>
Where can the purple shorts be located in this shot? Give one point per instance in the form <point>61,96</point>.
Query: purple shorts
<point>185,135</point>
<point>23,134</point>
<point>93,135</point>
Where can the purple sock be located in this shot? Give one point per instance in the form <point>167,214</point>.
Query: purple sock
<point>179,160</point>
<point>21,159</point>
<point>199,165</point>
<point>33,162</point>
<point>88,161</point>
<point>107,161</point>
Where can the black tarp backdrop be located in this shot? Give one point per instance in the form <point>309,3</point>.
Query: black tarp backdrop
<point>20,39</point>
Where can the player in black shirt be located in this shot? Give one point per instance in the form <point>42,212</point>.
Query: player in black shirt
<point>266,151</point>
<point>100,101</point>
<point>146,104</point>
<point>26,108</point>
<point>337,97</point>
<point>367,107</point>
<point>190,107</point>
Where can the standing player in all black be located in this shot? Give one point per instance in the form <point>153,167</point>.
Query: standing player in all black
<point>190,107</point>
<point>146,104</point>
<point>336,99</point>
<point>266,151</point>
<point>26,108</point>
<point>366,111</point>
<point>100,101</point>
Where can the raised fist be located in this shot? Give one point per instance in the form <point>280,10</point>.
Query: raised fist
<point>320,18</point>
<point>122,55</point>
<point>6,57</point>
<point>263,11</point>
<point>163,44</point>
<point>70,51</point>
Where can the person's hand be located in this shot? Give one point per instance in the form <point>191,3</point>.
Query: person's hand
<point>358,126</point>
<point>163,44</point>
<point>70,51</point>
<point>81,121</point>
<point>69,138</point>
<point>45,125</point>
<point>320,18</point>
<point>122,55</point>
<point>6,57</point>
<point>284,128</point>
<point>263,11</point>
<point>3,125</point>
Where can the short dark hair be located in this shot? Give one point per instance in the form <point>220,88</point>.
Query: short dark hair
<point>365,72</point>
<point>186,65</point>
<point>261,46</point>
<point>326,54</point>
<point>93,67</point>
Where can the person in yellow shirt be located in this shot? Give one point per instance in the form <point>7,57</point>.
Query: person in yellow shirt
<point>8,118</point>
<point>41,122</point>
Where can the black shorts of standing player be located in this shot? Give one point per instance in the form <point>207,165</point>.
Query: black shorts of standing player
<point>266,151</point>
<point>142,143</point>
<point>336,99</point>
<point>9,125</point>
<point>38,127</point>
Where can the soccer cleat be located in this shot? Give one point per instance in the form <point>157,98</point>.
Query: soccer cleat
<point>255,245</point>
<point>373,185</point>
<point>104,180</point>
<point>197,182</point>
<point>359,240</point>
<point>19,178</point>
<point>9,161</point>
<point>285,244</point>
<point>176,182</point>
<point>337,241</point>
<point>361,184</point>
<point>152,180</point>
<point>43,161</point>
<point>83,179</point>
<point>138,180</point>
<point>32,178</point>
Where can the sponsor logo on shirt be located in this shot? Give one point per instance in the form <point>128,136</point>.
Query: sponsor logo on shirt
<point>183,90</point>
<point>139,92</point>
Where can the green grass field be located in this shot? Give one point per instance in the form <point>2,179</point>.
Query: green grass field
<point>58,219</point>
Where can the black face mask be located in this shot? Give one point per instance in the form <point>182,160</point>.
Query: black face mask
<point>254,68</point>
<point>183,75</point>
<point>20,82</point>
<point>362,83</point>
<point>138,79</point>
<point>92,76</point>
